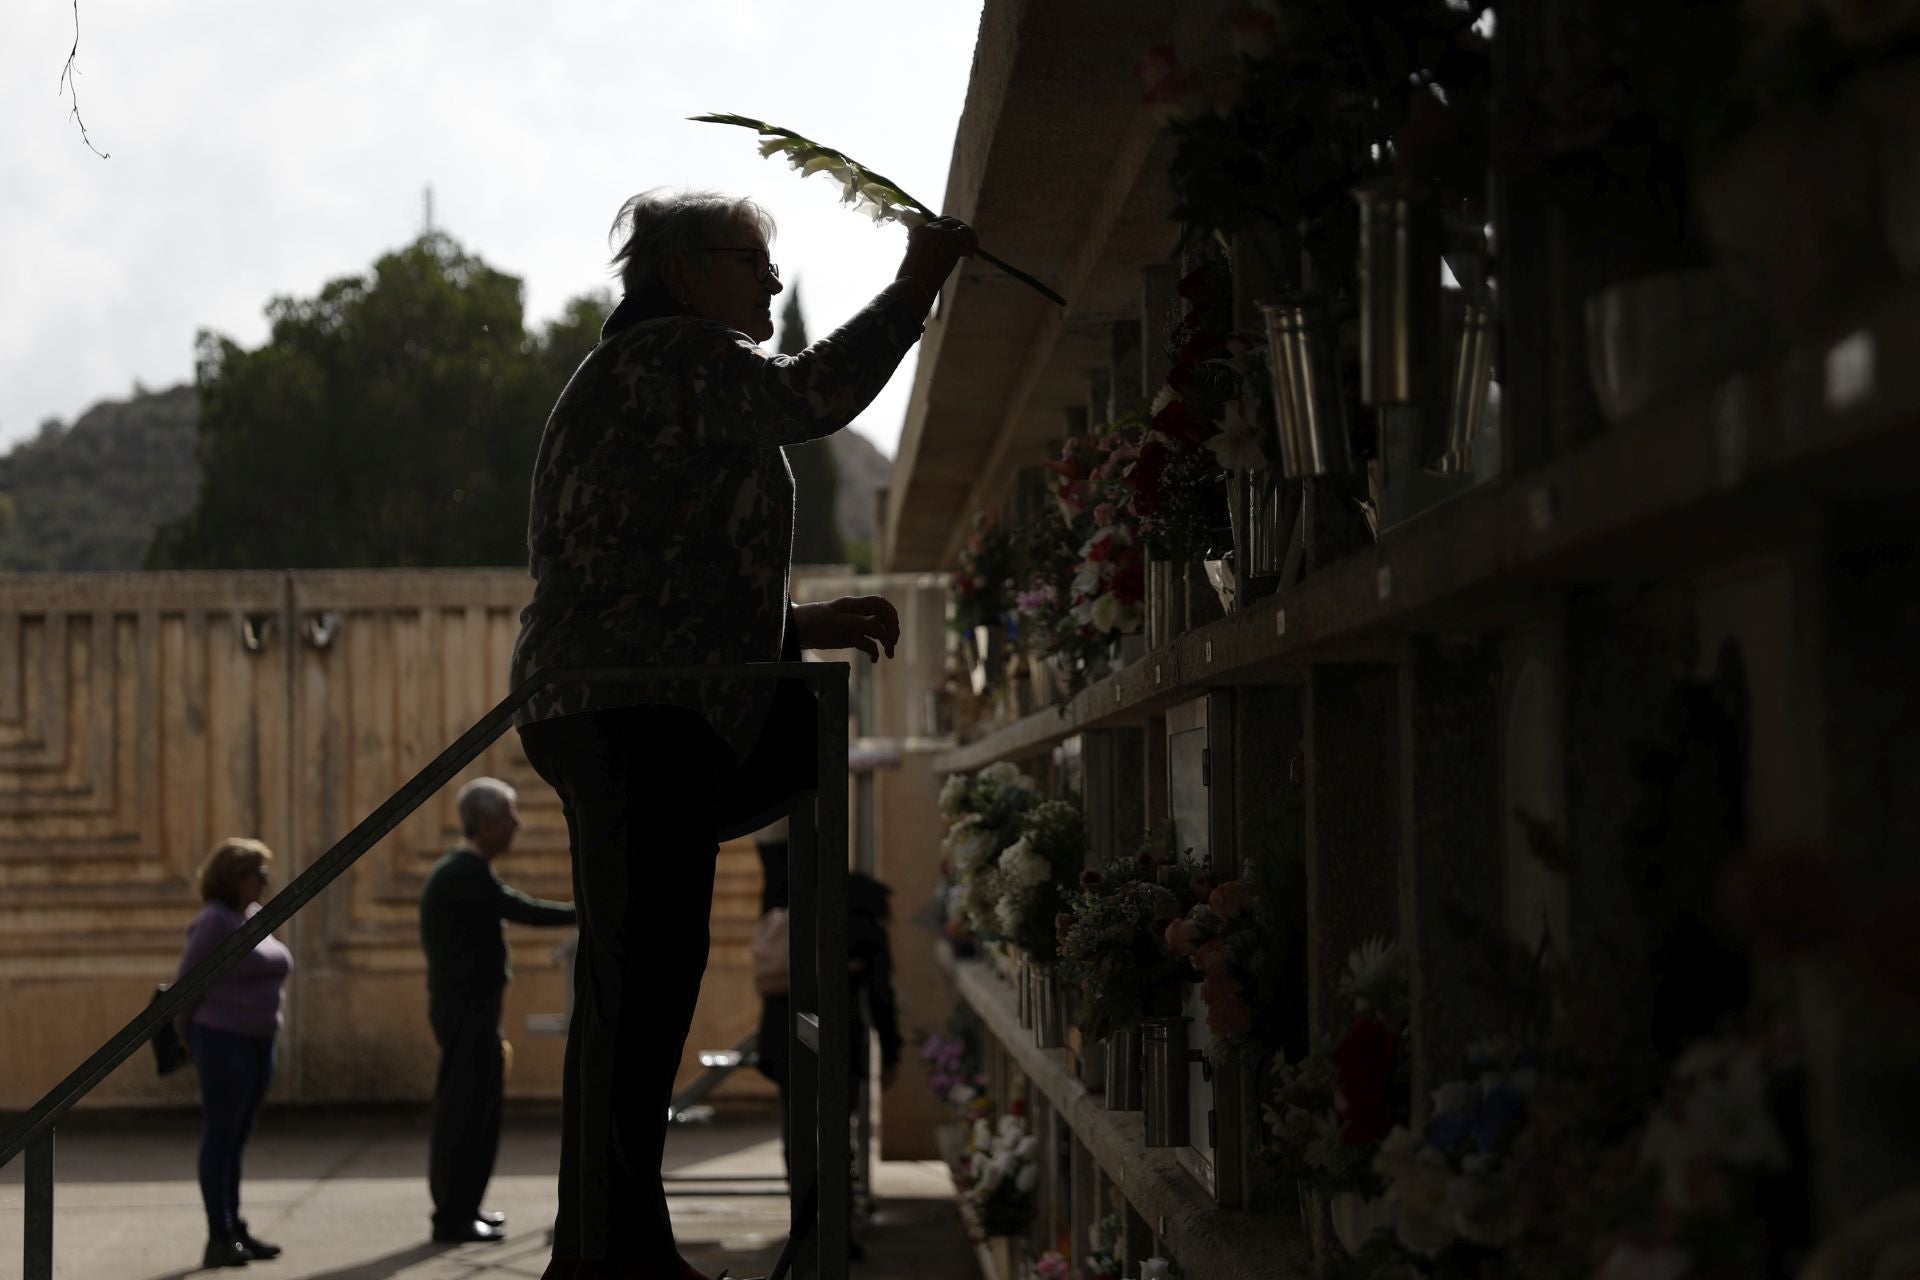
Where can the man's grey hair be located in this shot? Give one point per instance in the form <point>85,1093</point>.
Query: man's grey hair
<point>482,798</point>
<point>656,225</point>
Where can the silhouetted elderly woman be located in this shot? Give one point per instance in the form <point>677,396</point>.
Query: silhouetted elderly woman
<point>230,1032</point>
<point>659,534</point>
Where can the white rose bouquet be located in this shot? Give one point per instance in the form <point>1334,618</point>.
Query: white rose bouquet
<point>1001,1173</point>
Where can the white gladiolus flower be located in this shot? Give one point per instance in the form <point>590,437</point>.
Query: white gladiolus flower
<point>1026,1147</point>
<point>1027,1177</point>
<point>1236,445</point>
<point>1012,1128</point>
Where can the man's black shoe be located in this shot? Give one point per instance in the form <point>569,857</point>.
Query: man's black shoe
<point>224,1251</point>
<point>260,1249</point>
<point>475,1232</point>
<point>493,1217</point>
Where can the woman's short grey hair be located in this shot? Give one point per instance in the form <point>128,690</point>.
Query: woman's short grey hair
<point>655,225</point>
<point>482,798</point>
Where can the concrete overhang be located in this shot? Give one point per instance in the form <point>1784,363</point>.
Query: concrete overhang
<point>1063,173</point>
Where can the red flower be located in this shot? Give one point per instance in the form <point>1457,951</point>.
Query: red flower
<point>1232,899</point>
<point>1255,33</point>
<point>1182,936</point>
<point>1129,585</point>
<point>1144,479</point>
<point>1363,1080</point>
<point>1091,879</point>
<point>1219,984</point>
<point>1018,1107</point>
<point>1230,1017</point>
<point>1100,550</point>
<point>1210,953</point>
<point>1178,421</point>
<point>1070,469</point>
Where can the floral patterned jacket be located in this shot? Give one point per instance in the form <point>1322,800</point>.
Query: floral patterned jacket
<point>661,522</point>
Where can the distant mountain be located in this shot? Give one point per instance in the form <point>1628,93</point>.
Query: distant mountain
<point>863,468</point>
<point>89,496</point>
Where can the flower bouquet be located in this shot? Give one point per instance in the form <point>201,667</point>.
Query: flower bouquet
<point>1113,942</point>
<point>1328,1113</point>
<point>978,593</point>
<point>952,1063</point>
<point>1223,939</point>
<point>1034,875</point>
<point>984,815</point>
<point>1000,1174</point>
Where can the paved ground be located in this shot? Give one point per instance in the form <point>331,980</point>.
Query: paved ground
<point>346,1194</point>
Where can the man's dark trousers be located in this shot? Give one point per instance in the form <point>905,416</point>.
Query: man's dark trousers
<point>466,1103</point>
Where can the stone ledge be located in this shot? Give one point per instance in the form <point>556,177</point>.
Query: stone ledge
<point>1209,1242</point>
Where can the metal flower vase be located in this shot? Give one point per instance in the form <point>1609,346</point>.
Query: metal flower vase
<point>1164,1049</point>
<point>1049,1009</point>
<point>1399,295</point>
<point>1450,452</point>
<point>1308,404</point>
<point>1123,1070</point>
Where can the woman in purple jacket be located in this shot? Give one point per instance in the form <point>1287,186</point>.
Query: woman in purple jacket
<point>230,1033</point>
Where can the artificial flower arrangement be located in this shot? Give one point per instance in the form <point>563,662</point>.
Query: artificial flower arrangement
<point>952,1063</point>
<point>1034,875</point>
<point>1051,1265</point>
<point>1000,1173</point>
<point>1223,939</point>
<point>1113,941</point>
<point>1198,428</point>
<point>1328,1113</point>
<point>1104,1240</point>
<point>983,813</point>
<point>979,592</point>
<point>1317,99</point>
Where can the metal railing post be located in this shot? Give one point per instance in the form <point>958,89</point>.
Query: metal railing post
<point>830,901</point>
<point>38,1261</point>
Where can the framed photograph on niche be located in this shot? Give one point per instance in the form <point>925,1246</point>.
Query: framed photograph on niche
<point>1200,829</point>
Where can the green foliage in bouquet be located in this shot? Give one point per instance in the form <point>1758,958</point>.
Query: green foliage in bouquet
<point>1113,941</point>
<point>1036,873</point>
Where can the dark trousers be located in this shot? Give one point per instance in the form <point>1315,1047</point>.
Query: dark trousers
<point>466,1103</point>
<point>235,1071</point>
<point>640,789</point>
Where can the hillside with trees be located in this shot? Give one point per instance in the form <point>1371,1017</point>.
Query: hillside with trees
<point>90,495</point>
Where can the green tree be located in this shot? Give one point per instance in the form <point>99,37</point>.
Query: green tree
<point>816,478</point>
<point>390,420</point>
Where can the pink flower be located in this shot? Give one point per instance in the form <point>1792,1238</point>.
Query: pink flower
<point>1232,899</point>
<point>1156,64</point>
<point>1225,96</point>
<point>1183,936</point>
<point>1178,97</point>
<point>1210,953</point>
<point>1255,33</point>
<point>1104,515</point>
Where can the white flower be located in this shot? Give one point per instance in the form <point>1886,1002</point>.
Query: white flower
<point>1167,395</point>
<point>954,794</point>
<point>1356,1218</point>
<point>1236,445</point>
<point>1106,612</point>
<point>1454,1095</point>
<point>1631,1262</point>
<point>1006,914</point>
<point>1012,1128</point>
<point>982,1134</point>
<point>1027,1177</point>
<point>1006,775</point>
<point>1374,976</point>
<point>1026,1147</point>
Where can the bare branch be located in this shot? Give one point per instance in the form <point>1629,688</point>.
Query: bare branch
<point>69,83</point>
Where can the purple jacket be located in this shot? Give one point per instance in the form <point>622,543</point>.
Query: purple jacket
<point>246,999</point>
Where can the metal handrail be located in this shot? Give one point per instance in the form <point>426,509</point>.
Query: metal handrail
<point>34,1131</point>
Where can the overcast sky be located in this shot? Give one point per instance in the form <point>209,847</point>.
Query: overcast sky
<point>263,149</point>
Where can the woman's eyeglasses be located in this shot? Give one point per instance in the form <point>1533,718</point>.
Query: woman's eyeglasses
<point>765,271</point>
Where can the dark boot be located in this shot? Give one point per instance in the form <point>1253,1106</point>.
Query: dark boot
<point>260,1249</point>
<point>225,1250</point>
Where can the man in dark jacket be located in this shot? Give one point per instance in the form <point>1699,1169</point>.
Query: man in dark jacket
<point>463,913</point>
